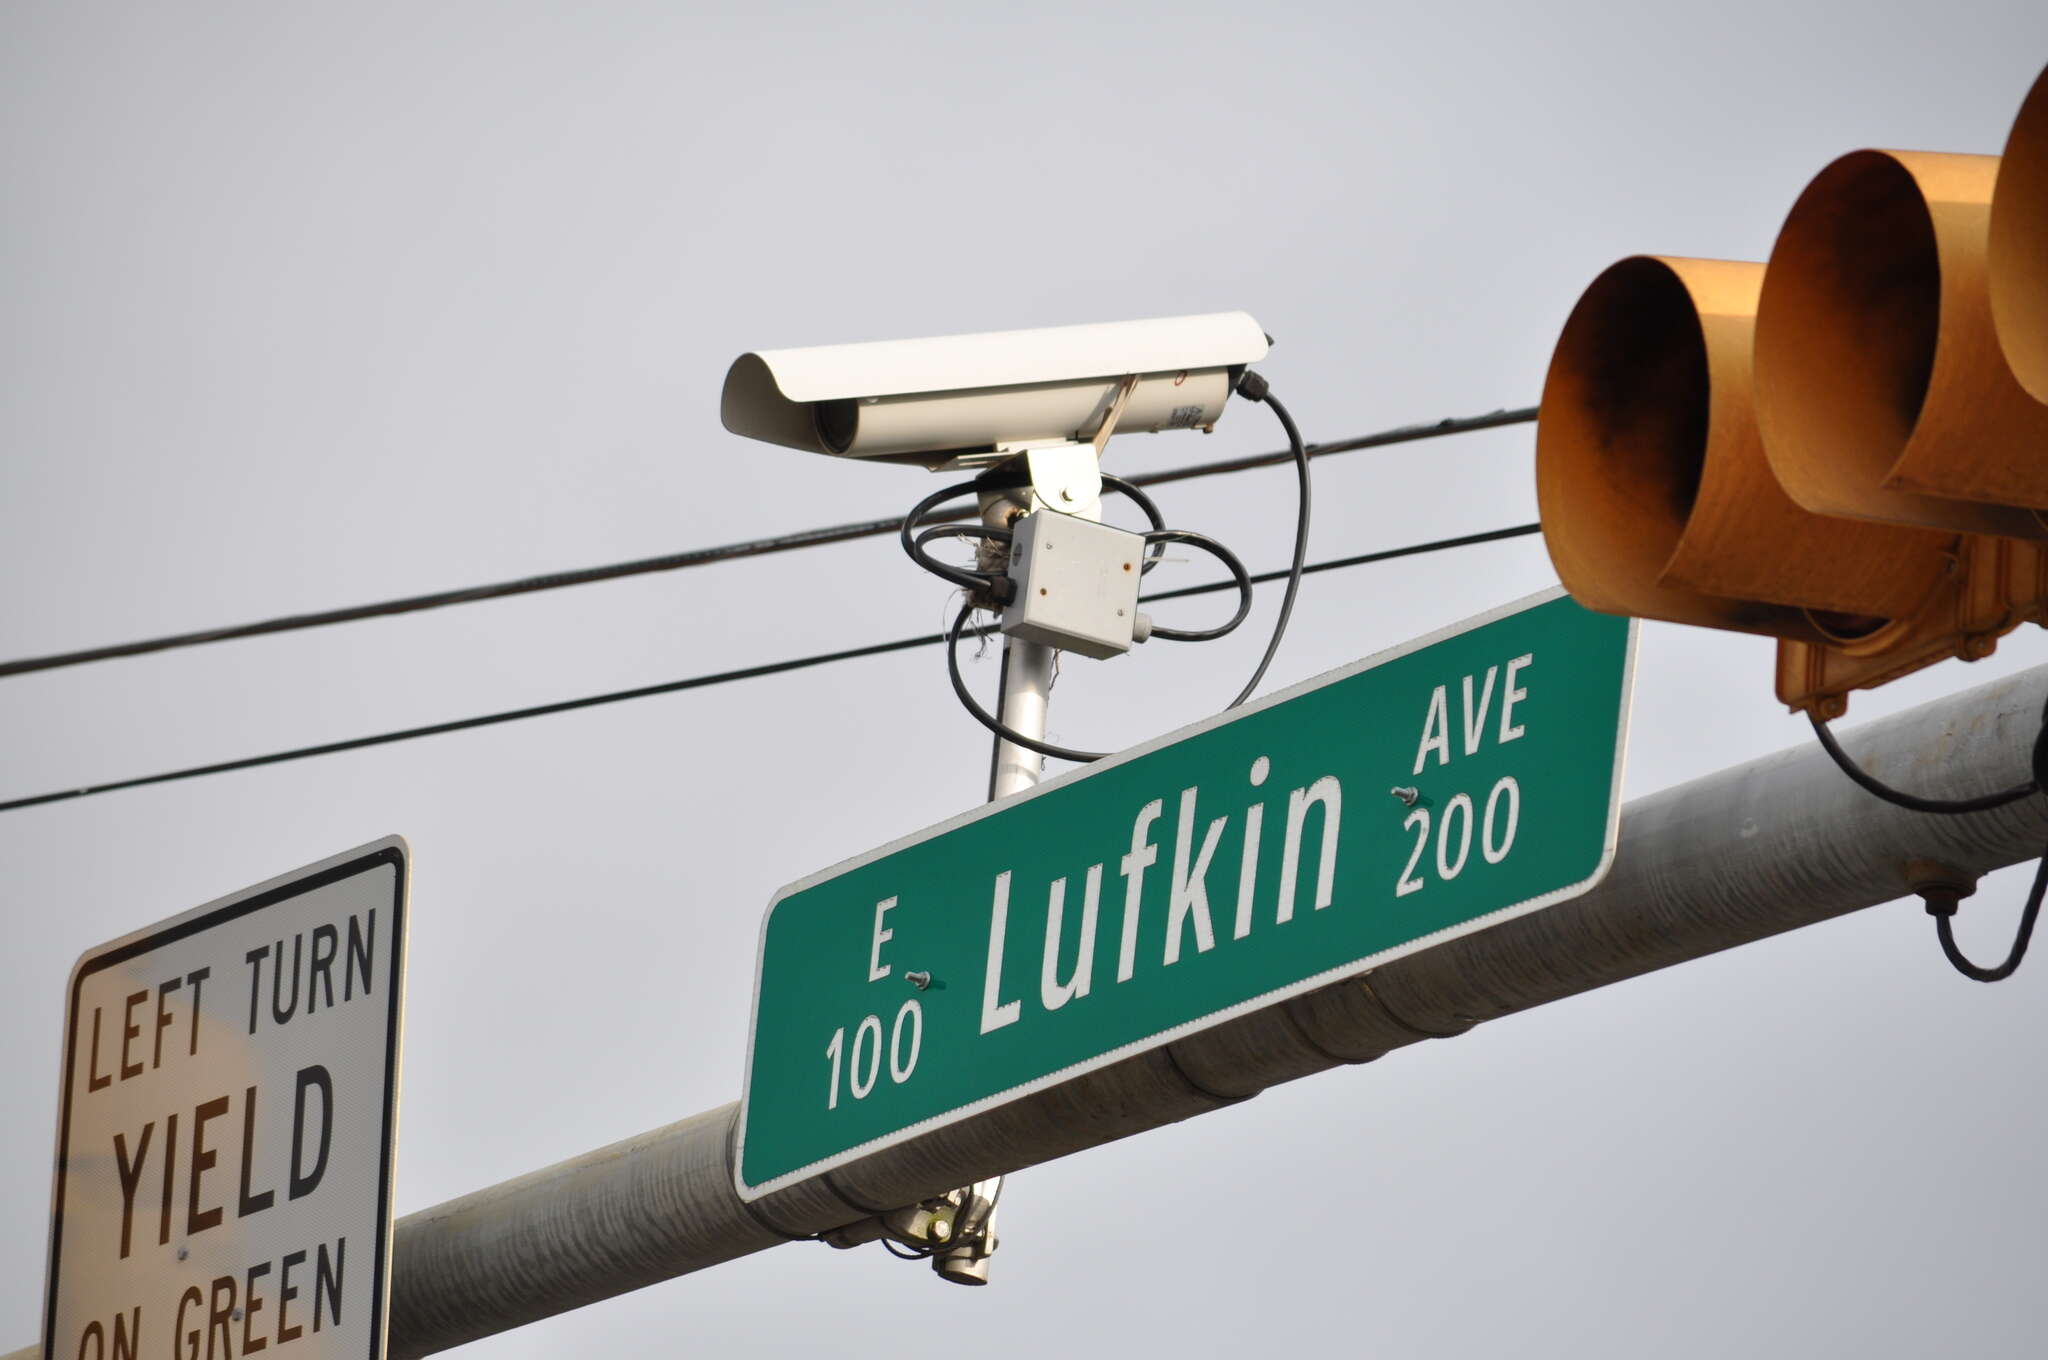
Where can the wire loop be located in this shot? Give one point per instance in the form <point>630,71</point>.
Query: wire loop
<point>1942,907</point>
<point>1944,930</point>
<point>1237,574</point>
<point>1254,388</point>
<point>1947,807</point>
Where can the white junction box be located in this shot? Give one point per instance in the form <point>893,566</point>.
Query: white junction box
<point>1077,584</point>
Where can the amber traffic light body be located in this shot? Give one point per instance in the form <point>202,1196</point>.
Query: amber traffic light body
<point>1843,449</point>
<point>2018,275</point>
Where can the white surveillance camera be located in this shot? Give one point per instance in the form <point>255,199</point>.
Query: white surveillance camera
<point>958,400</point>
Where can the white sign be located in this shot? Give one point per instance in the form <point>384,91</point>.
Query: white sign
<point>226,1123</point>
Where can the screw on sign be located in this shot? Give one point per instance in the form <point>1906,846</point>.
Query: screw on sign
<point>227,1118</point>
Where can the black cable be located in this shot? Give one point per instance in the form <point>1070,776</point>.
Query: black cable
<point>1942,907</point>
<point>486,720</point>
<point>1238,576</point>
<point>995,586</point>
<point>1137,497</point>
<point>990,720</point>
<point>1254,387</point>
<point>1944,806</point>
<point>969,580</point>
<point>1941,904</point>
<point>1403,434</point>
<point>716,678</point>
<point>1359,560</point>
<point>698,557</point>
<point>937,531</point>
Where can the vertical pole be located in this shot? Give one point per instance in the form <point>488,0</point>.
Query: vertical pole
<point>1027,669</point>
<point>1026,691</point>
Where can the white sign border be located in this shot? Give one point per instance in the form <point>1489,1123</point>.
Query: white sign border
<point>1610,841</point>
<point>392,850</point>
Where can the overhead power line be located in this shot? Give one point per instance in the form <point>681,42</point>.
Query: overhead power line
<point>715,678</point>
<point>699,557</point>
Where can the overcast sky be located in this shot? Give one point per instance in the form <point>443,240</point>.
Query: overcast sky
<point>308,306</point>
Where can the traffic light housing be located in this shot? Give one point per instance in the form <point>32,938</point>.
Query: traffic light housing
<point>2019,245</point>
<point>1830,449</point>
<point>1881,391</point>
<point>1655,494</point>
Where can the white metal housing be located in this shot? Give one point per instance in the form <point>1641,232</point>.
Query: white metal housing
<point>933,400</point>
<point>1077,584</point>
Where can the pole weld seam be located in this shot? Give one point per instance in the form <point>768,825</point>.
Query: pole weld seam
<point>832,1184</point>
<point>1365,984</point>
<point>1301,1031</point>
<point>1173,1061</point>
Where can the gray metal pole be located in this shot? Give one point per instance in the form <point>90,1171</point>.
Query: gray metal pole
<point>1027,689</point>
<point>1737,856</point>
<point>1026,693</point>
<point>1027,672</point>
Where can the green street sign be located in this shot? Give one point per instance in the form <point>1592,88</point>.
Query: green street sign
<point>1259,854</point>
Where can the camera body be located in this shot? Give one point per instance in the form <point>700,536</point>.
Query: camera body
<point>962,400</point>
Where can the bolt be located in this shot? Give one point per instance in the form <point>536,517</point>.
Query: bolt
<point>236,1315</point>
<point>1407,796</point>
<point>1066,494</point>
<point>183,1252</point>
<point>920,979</point>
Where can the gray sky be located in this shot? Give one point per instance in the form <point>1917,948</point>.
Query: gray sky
<point>307,307</point>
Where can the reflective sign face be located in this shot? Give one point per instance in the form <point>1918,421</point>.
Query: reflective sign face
<point>1407,799</point>
<point>226,1125</point>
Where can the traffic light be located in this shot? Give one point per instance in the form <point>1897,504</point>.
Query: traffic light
<point>1881,391</point>
<point>1830,449</point>
<point>2019,245</point>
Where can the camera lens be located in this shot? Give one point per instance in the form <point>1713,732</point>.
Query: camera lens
<point>838,422</point>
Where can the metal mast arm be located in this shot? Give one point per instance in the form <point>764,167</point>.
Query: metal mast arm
<point>1737,856</point>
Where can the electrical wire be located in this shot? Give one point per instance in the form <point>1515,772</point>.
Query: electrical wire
<point>698,557</point>
<point>1944,912</point>
<point>1238,575</point>
<point>715,678</point>
<point>1942,904</point>
<point>968,1230</point>
<point>972,581</point>
<point>1000,589</point>
<point>1943,806</point>
<point>1403,434</point>
<point>990,720</point>
<point>1254,387</point>
<point>993,586</point>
